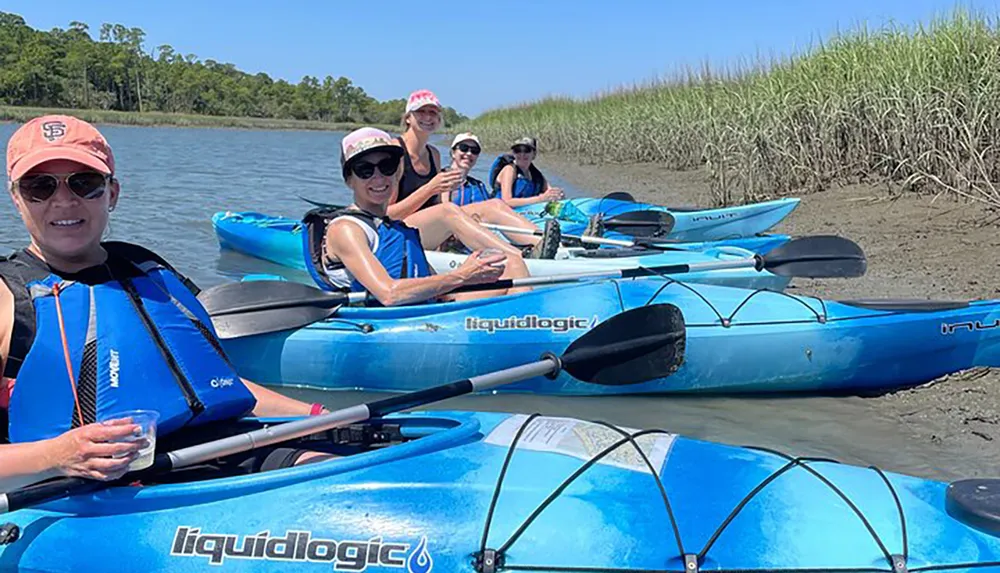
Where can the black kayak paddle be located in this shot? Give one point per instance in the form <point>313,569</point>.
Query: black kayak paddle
<point>259,307</point>
<point>635,346</point>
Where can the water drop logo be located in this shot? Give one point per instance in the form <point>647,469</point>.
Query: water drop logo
<point>420,560</point>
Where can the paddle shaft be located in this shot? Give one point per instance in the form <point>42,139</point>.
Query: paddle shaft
<point>334,299</point>
<point>184,457</point>
<point>752,262</point>
<point>581,238</point>
<point>306,426</point>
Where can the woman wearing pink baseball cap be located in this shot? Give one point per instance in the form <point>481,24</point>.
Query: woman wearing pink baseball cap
<point>421,186</point>
<point>90,329</point>
<point>363,248</point>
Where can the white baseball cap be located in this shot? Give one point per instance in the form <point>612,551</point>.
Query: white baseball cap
<point>465,137</point>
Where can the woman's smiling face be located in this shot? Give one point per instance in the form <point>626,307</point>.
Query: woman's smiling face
<point>377,189</point>
<point>65,225</point>
<point>427,119</point>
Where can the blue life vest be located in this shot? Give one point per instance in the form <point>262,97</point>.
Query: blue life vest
<point>397,247</point>
<point>474,191</point>
<point>137,338</point>
<point>524,186</point>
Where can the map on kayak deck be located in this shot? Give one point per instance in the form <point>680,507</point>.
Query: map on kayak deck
<point>583,440</point>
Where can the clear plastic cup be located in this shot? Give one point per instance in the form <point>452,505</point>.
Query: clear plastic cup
<point>146,420</point>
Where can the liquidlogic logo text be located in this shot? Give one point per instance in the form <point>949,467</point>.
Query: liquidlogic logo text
<point>531,322</point>
<point>970,325</point>
<point>301,546</point>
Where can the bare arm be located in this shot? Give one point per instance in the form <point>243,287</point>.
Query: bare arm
<point>350,245</point>
<point>273,404</point>
<point>507,177</point>
<point>85,452</point>
<point>24,464</point>
<point>6,328</point>
<point>440,184</point>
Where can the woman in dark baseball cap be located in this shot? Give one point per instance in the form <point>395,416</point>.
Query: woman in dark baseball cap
<point>475,198</point>
<point>516,179</point>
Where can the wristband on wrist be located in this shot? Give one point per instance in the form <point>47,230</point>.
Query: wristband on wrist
<point>316,409</point>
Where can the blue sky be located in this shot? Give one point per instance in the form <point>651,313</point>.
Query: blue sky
<point>478,55</point>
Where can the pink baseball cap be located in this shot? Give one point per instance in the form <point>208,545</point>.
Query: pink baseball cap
<point>420,98</point>
<point>57,137</point>
<point>363,140</point>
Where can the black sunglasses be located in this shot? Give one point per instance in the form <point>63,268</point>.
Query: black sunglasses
<point>40,187</point>
<point>466,148</point>
<point>522,149</point>
<point>366,169</point>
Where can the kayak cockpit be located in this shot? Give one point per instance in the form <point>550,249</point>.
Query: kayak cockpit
<point>358,446</point>
<point>906,304</point>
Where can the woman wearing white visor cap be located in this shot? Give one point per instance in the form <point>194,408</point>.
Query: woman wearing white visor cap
<point>475,198</point>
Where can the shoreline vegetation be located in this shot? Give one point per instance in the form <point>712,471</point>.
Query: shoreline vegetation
<point>115,79</point>
<point>908,109</point>
<point>22,114</point>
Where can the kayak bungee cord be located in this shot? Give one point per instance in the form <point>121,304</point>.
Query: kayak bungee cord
<point>490,561</point>
<point>821,316</point>
<point>728,321</point>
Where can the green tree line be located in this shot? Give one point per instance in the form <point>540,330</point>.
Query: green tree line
<point>71,69</point>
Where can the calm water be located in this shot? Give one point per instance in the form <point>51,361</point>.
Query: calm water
<point>173,180</point>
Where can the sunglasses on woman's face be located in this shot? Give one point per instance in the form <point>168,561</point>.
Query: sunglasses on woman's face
<point>366,169</point>
<point>466,148</point>
<point>523,149</point>
<point>40,187</point>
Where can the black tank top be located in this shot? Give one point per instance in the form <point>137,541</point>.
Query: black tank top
<point>411,180</point>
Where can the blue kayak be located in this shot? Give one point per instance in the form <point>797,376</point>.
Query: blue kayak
<point>279,240</point>
<point>689,224</point>
<point>738,341</point>
<point>434,492</point>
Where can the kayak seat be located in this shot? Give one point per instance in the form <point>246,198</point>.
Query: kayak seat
<point>975,502</point>
<point>906,305</point>
<point>341,442</point>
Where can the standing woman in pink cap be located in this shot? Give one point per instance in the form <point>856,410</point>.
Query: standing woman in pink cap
<point>421,186</point>
<point>90,329</point>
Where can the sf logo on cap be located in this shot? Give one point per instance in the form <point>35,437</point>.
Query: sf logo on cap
<point>53,130</point>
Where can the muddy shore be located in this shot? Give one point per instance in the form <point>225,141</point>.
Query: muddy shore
<point>918,246</point>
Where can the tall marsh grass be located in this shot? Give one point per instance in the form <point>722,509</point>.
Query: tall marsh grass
<point>919,107</point>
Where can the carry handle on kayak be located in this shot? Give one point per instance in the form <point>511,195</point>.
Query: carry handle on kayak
<point>635,346</point>
<point>261,307</point>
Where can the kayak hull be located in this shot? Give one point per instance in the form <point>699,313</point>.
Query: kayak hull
<point>278,240</point>
<point>737,341</point>
<point>426,505</point>
<point>689,225</point>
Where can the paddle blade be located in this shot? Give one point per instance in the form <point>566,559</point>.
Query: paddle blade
<point>635,346</point>
<point>260,307</point>
<point>819,256</point>
<point>620,196</point>
<point>234,297</point>
<point>642,223</point>
<point>256,322</point>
